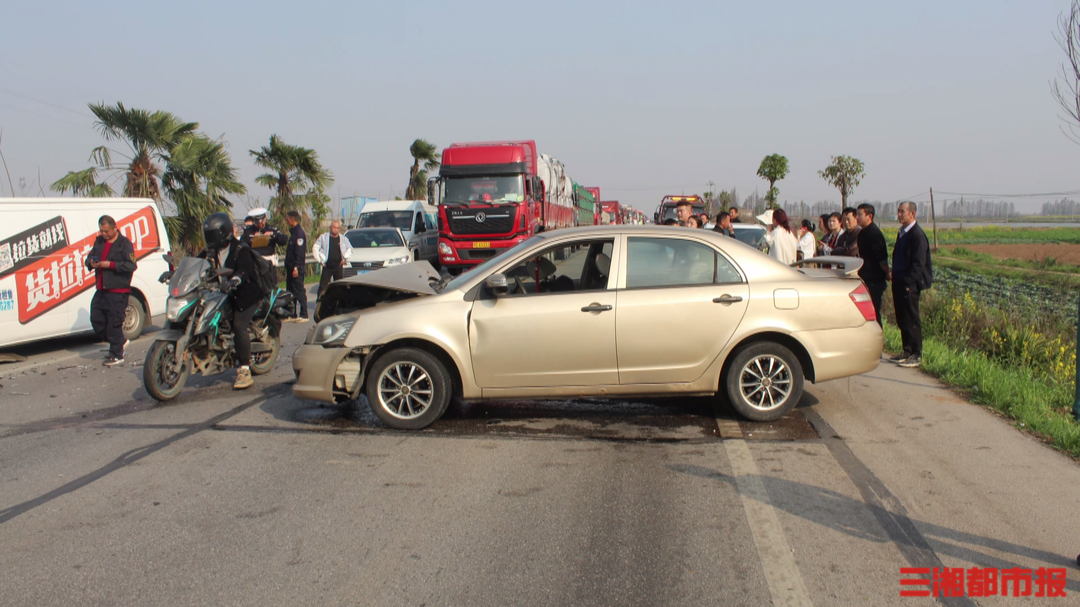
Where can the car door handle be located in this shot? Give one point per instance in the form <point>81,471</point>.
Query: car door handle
<point>727,299</point>
<point>596,308</point>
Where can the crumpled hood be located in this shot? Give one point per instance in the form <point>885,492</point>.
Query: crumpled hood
<point>380,286</point>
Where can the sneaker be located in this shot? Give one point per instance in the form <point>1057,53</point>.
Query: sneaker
<point>899,358</point>
<point>243,379</point>
<point>112,361</point>
<point>913,361</point>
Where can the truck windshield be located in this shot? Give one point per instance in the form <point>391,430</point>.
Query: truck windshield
<point>668,211</point>
<point>500,188</point>
<point>386,219</point>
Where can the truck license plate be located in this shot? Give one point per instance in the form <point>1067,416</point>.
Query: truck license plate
<point>481,245</point>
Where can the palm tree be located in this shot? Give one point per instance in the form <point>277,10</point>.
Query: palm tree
<point>150,136</point>
<point>425,152</point>
<point>199,174</point>
<point>292,168</point>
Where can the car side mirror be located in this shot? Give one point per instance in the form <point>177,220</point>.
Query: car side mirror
<point>497,284</point>
<point>432,183</point>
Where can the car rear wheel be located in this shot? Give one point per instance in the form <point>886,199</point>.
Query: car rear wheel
<point>134,318</point>
<point>408,389</point>
<point>764,381</point>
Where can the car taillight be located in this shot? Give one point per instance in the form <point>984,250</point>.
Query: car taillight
<point>861,298</point>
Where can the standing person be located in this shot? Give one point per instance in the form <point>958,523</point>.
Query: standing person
<point>836,229</point>
<point>332,250</point>
<point>807,242</point>
<point>703,220</point>
<point>734,212</point>
<point>693,222</point>
<point>296,266</point>
<point>875,255</point>
<point>683,211</point>
<point>274,237</point>
<point>912,273</point>
<point>225,251</point>
<point>783,245</point>
<point>112,259</point>
<point>723,225</point>
<point>847,244</point>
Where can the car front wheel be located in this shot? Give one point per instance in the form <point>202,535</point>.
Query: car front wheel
<point>764,381</point>
<point>408,389</point>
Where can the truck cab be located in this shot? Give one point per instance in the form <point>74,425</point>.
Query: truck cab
<point>666,210</point>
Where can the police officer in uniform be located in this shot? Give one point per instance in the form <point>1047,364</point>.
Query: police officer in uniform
<point>258,227</point>
<point>113,260</point>
<point>296,266</point>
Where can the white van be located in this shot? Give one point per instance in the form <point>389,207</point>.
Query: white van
<point>415,220</point>
<point>45,288</point>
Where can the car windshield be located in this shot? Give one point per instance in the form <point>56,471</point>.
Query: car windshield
<point>751,235</point>
<point>494,261</point>
<point>386,219</point>
<point>499,188</point>
<point>669,211</point>
<point>374,237</point>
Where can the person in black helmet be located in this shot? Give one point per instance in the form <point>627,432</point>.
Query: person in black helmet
<point>223,250</point>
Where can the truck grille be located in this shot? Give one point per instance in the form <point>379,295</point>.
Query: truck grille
<point>497,220</point>
<point>481,254</point>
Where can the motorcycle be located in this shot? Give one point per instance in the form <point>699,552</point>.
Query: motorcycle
<point>198,336</point>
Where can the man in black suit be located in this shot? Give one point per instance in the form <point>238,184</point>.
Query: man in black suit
<point>875,255</point>
<point>912,273</point>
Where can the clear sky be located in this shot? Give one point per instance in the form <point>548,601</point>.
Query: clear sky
<point>639,98</point>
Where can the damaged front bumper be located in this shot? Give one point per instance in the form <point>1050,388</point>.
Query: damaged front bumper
<point>329,374</point>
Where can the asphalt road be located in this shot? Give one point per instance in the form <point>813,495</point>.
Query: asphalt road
<point>254,497</point>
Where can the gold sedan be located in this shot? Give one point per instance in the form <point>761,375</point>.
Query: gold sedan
<point>594,311</point>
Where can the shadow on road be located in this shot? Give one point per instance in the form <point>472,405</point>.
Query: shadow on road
<point>832,510</point>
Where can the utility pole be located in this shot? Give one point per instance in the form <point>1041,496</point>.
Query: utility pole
<point>961,212</point>
<point>933,217</point>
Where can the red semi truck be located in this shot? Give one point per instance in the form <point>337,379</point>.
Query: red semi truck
<point>612,212</point>
<point>493,195</point>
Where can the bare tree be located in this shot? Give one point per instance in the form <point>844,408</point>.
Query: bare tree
<point>1068,93</point>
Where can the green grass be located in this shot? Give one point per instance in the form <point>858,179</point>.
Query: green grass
<point>993,235</point>
<point>1034,404</point>
<point>1055,278</point>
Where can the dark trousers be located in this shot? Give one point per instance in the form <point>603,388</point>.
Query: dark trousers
<point>906,301</point>
<point>295,285</point>
<point>329,274</point>
<point>241,339</point>
<point>107,312</point>
<point>877,291</point>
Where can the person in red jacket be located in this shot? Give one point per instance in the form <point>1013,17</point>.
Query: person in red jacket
<point>113,260</point>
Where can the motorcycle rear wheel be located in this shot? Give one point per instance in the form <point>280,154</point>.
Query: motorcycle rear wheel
<point>263,362</point>
<point>158,379</point>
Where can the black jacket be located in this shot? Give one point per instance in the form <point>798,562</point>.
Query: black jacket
<point>874,254</point>
<point>241,261</point>
<point>919,271</point>
<point>277,238</point>
<point>296,252</point>
<point>122,254</point>
<point>848,243</point>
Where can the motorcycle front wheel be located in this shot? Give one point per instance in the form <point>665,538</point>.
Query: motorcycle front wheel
<point>158,377</point>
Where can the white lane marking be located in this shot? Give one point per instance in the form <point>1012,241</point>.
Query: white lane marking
<point>781,572</point>
<point>729,428</point>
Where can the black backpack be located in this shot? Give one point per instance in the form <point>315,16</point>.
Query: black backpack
<point>265,273</point>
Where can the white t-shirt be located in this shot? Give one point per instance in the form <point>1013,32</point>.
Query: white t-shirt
<point>782,245</point>
<point>808,245</point>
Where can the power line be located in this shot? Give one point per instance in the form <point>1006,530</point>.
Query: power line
<point>18,109</point>
<point>59,107</point>
<point>1042,195</point>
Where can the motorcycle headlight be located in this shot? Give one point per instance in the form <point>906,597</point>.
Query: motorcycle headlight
<point>332,331</point>
<point>175,307</point>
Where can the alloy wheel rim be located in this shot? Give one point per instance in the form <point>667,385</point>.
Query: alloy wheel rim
<point>405,390</point>
<point>130,318</point>
<point>169,378</point>
<point>765,382</point>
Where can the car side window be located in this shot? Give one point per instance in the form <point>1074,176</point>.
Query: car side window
<point>668,262</point>
<point>583,265</point>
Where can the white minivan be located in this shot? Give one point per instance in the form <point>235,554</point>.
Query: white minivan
<point>45,288</point>
<point>415,220</point>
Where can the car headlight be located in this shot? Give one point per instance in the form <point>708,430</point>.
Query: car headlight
<point>332,331</point>
<point>176,306</point>
<point>397,260</point>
